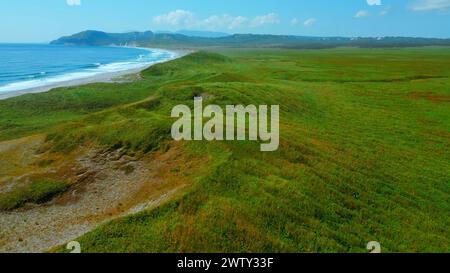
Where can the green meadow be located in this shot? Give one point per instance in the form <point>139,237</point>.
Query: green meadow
<point>364,150</point>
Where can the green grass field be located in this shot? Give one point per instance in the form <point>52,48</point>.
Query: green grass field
<point>364,150</point>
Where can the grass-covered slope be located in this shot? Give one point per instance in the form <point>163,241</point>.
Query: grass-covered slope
<point>364,151</point>
<point>37,192</point>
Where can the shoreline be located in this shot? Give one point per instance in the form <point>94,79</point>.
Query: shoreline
<point>106,77</point>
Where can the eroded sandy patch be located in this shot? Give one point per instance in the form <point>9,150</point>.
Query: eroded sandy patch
<point>105,185</point>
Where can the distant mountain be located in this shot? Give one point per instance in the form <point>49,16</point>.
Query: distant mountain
<point>92,37</point>
<point>201,34</point>
<point>204,34</point>
<point>176,40</point>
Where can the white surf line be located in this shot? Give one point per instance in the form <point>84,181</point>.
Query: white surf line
<point>82,77</point>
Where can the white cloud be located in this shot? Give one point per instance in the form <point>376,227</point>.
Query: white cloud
<point>187,19</point>
<point>310,22</point>
<point>374,2</point>
<point>295,21</point>
<point>428,5</point>
<point>384,12</point>
<point>361,14</point>
<point>177,18</point>
<point>222,22</point>
<point>73,2</point>
<point>268,19</point>
<point>237,22</point>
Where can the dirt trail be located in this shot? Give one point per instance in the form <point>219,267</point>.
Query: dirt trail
<point>106,185</point>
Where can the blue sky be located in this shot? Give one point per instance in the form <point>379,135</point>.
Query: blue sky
<point>44,20</point>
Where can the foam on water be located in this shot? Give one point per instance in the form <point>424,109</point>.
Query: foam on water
<point>43,79</point>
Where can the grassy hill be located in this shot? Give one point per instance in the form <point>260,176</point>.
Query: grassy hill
<point>364,151</point>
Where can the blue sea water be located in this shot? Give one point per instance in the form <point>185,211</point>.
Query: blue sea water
<point>30,66</point>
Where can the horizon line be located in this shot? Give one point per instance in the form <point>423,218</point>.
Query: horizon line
<point>228,34</point>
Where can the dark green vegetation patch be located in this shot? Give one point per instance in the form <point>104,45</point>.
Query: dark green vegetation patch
<point>37,192</point>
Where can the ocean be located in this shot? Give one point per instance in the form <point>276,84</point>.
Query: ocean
<point>31,66</point>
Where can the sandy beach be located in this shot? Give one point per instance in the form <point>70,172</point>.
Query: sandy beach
<point>109,77</point>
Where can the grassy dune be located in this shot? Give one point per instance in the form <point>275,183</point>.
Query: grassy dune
<point>364,151</point>
<point>37,192</point>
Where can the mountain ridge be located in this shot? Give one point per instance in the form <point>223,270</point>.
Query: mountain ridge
<point>194,33</point>
<point>149,38</point>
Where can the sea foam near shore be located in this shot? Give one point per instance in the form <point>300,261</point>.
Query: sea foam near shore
<point>43,81</point>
